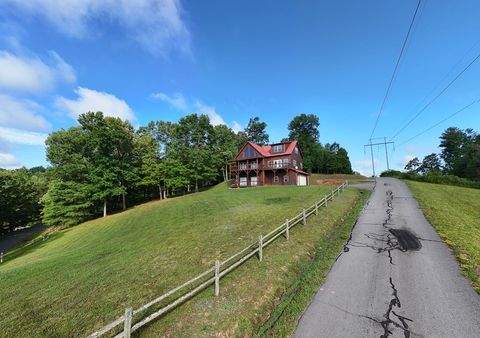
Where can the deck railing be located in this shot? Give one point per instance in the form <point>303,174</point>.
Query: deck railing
<point>210,276</point>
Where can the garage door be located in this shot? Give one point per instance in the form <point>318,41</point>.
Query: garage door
<point>302,180</point>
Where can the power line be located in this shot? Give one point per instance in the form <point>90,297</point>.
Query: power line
<point>445,119</point>
<point>436,97</point>
<point>392,79</point>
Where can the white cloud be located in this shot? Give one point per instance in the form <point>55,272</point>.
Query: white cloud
<point>157,25</point>
<point>18,113</point>
<point>9,161</point>
<point>32,75</point>
<point>92,100</point>
<point>215,118</point>
<point>176,100</point>
<point>364,167</point>
<point>18,136</point>
<point>236,127</point>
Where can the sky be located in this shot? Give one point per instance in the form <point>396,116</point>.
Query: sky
<point>145,60</point>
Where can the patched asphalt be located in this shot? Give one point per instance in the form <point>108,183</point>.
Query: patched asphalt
<point>394,278</point>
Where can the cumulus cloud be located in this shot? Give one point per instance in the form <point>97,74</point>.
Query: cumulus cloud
<point>18,136</point>
<point>31,74</point>
<point>9,161</point>
<point>215,118</point>
<point>20,113</point>
<point>92,100</point>
<point>157,25</point>
<point>177,100</point>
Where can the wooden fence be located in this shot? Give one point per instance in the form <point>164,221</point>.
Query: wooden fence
<point>210,276</point>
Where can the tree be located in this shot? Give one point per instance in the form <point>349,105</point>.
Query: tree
<point>67,203</point>
<point>191,147</point>
<point>20,192</point>
<point>412,165</point>
<point>224,143</point>
<point>304,129</point>
<point>344,165</point>
<point>430,164</point>
<point>255,131</point>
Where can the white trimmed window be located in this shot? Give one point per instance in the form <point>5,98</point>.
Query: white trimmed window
<point>275,179</point>
<point>278,148</point>
<point>285,178</point>
<point>296,150</point>
<point>294,163</point>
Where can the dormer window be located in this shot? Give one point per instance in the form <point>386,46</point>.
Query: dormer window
<point>277,148</point>
<point>296,150</point>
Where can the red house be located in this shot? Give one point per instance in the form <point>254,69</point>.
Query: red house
<point>275,164</point>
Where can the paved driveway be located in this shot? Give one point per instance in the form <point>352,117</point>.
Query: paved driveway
<point>395,278</point>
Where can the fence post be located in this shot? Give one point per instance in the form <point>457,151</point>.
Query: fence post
<point>304,217</point>
<point>326,201</point>
<point>287,233</point>
<point>260,248</point>
<point>316,208</point>
<point>127,324</point>
<point>217,277</point>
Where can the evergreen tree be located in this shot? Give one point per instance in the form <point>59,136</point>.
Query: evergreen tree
<point>255,131</point>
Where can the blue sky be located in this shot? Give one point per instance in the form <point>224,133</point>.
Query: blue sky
<point>162,59</point>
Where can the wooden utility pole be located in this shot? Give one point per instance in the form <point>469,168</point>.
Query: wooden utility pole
<point>370,144</point>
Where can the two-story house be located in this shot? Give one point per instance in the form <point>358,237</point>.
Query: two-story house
<point>274,164</point>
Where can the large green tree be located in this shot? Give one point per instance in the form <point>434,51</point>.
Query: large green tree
<point>304,128</point>
<point>256,131</point>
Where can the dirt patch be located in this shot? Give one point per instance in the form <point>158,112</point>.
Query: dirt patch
<point>329,182</point>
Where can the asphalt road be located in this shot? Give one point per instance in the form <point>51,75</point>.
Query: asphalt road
<point>11,240</point>
<point>394,278</point>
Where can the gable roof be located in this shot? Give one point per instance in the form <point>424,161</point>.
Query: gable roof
<point>265,151</point>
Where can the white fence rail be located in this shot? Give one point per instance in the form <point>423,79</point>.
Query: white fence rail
<point>212,275</point>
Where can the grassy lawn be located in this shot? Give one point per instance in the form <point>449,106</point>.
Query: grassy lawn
<point>84,277</point>
<point>455,214</point>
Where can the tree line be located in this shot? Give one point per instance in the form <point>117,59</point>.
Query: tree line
<point>104,164</point>
<point>457,163</point>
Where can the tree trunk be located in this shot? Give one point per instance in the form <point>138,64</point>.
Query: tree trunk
<point>160,191</point>
<point>105,208</point>
<point>188,188</point>
<point>196,185</point>
<point>124,203</point>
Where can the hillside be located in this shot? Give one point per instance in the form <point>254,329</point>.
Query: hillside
<point>86,275</point>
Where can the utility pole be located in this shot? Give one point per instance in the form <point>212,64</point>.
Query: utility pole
<point>370,144</point>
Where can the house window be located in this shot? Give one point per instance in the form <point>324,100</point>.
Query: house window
<point>277,163</point>
<point>243,181</point>
<point>253,181</point>
<point>270,163</point>
<point>278,148</point>
<point>296,150</point>
<point>243,165</point>
<point>294,163</point>
<point>285,161</point>
<point>275,179</point>
<point>253,165</point>
<point>249,152</point>
<point>285,179</point>
<point>301,165</point>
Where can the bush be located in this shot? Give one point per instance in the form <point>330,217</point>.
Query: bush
<point>433,177</point>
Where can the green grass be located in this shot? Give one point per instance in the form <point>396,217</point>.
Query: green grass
<point>455,213</point>
<point>84,277</point>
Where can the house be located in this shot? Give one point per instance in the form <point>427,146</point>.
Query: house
<point>274,164</point>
